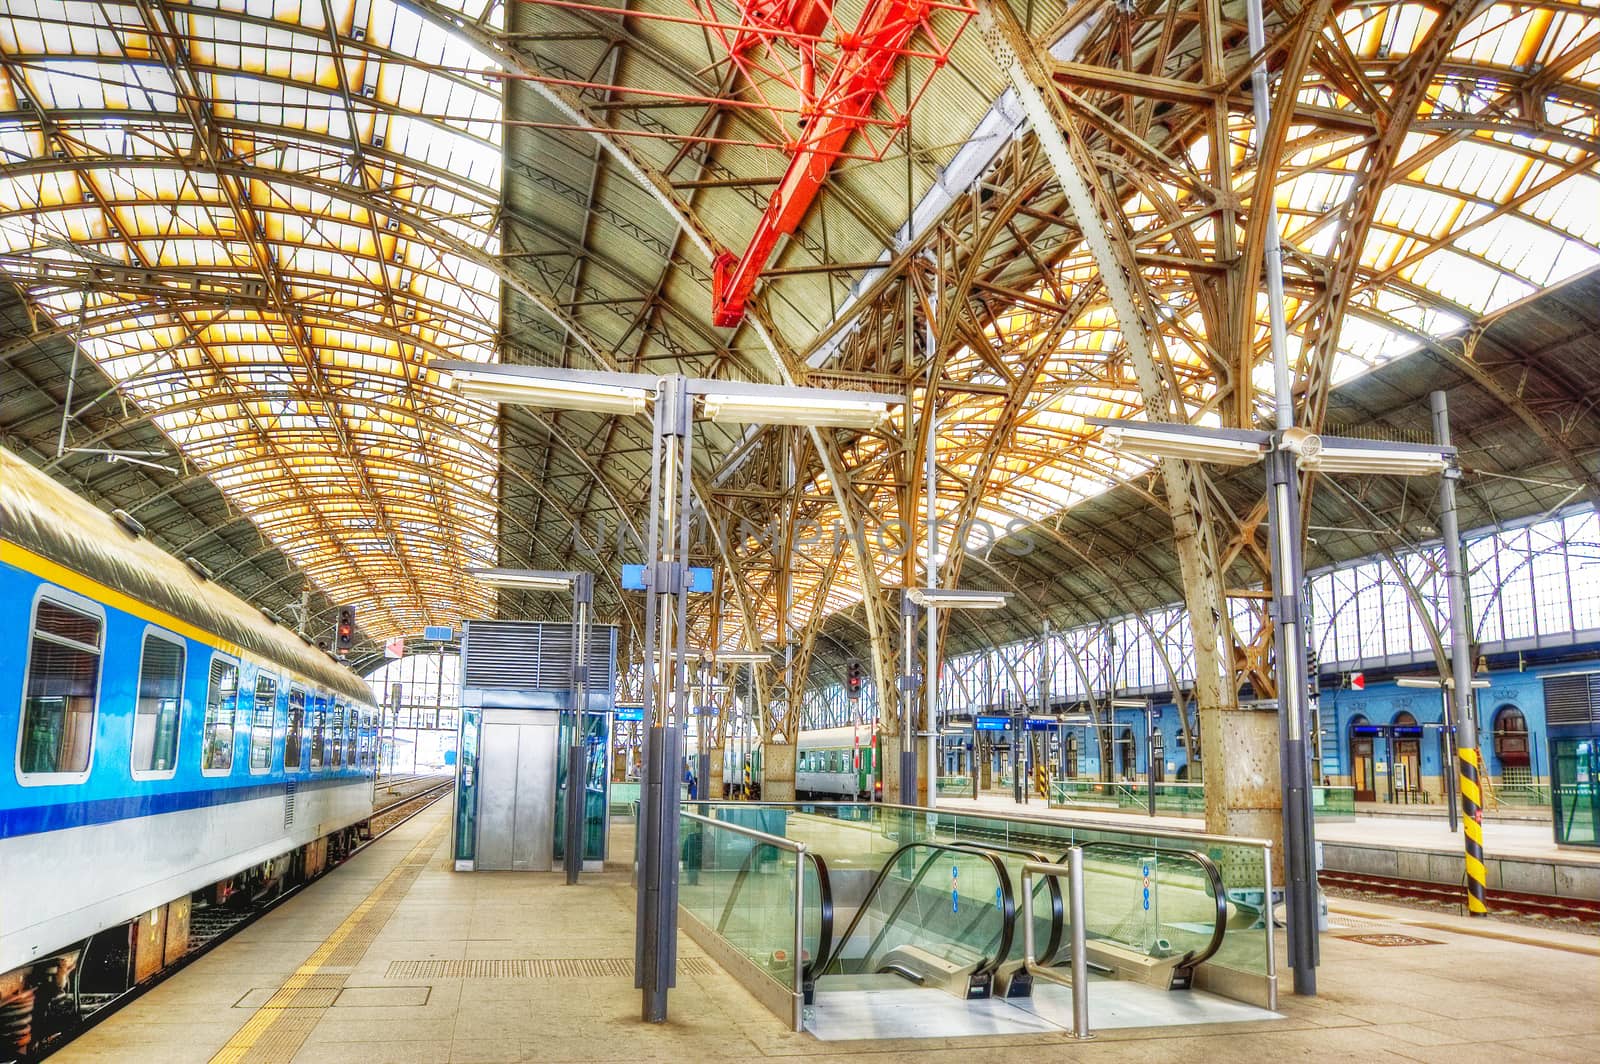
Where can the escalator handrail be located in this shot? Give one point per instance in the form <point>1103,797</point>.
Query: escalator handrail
<point>824,900</point>
<point>1213,875</point>
<point>1058,912</point>
<point>1008,905</point>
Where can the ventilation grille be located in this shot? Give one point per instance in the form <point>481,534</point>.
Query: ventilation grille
<point>545,968</point>
<point>1572,699</point>
<point>288,803</point>
<point>534,655</point>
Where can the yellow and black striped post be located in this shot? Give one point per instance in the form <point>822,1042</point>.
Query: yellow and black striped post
<point>1472,825</point>
<point>1041,779</point>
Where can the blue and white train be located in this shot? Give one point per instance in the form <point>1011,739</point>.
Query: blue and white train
<point>168,743</point>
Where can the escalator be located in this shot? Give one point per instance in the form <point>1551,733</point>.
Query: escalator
<point>946,915</point>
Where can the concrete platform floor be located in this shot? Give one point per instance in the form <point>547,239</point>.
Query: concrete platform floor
<point>391,958</point>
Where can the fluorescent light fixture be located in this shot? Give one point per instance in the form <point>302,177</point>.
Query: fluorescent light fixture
<point>1130,703</point>
<point>818,410</point>
<point>1432,681</point>
<point>1234,447</point>
<point>497,384</point>
<point>522,579</point>
<point>739,657</point>
<point>952,599</point>
<point>1393,459</point>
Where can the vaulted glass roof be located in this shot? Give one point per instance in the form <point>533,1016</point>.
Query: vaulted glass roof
<point>262,219</point>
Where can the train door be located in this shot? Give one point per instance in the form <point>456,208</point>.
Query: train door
<point>1407,769</point>
<point>1362,775</point>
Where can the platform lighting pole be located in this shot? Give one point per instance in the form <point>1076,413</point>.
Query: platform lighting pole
<point>1466,720</point>
<point>930,699</point>
<point>666,579</point>
<point>577,761</point>
<point>655,961</point>
<point>908,702</point>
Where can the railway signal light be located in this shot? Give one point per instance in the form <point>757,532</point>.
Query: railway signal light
<point>853,681</point>
<point>344,632</point>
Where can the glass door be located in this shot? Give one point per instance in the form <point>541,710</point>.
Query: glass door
<point>1575,790</point>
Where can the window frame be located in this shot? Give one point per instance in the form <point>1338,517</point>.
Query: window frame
<point>81,604</point>
<point>166,636</point>
<point>317,719</point>
<point>233,727</point>
<point>272,720</point>
<point>300,764</point>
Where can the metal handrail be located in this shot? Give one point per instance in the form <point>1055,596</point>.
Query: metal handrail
<point>799,893</point>
<point>777,840</point>
<point>1219,894</point>
<point>1057,909</point>
<point>1073,871</point>
<point>1055,822</point>
<point>824,900</point>
<point>1008,906</point>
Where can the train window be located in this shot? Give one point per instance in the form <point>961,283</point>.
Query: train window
<point>297,727</point>
<point>351,719</point>
<point>261,714</point>
<point>160,706</point>
<point>319,730</point>
<point>61,691</point>
<point>222,704</point>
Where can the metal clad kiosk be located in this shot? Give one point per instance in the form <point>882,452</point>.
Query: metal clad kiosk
<point>516,719</point>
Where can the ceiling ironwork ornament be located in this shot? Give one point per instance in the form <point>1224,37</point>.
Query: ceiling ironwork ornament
<point>268,224</point>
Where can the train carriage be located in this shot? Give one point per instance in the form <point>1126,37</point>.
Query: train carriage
<point>839,763</point>
<point>165,737</point>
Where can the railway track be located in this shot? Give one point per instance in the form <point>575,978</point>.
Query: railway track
<point>210,927</point>
<point>1507,901</point>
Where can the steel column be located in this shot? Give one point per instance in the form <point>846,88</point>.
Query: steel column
<point>1466,719</point>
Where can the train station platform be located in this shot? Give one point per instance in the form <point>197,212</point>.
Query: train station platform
<point>394,957</point>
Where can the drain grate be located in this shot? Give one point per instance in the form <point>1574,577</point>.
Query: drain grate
<point>1391,940</point>
<point>539,968</point>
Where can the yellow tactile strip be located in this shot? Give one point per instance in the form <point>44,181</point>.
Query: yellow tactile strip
<point>280,1027</point>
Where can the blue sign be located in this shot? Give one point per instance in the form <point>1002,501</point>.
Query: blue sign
<point>441,632</point>
<point>992,723</point>
<point>1041,725</point>
<point>699,578</point>
<point>627,713</point>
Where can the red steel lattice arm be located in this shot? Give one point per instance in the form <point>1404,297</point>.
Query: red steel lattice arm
<point>865,64</point>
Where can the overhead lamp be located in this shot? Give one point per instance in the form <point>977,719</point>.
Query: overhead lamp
<point>953,599</point>
<point>817,410</point>
<point>1130,703</point>
<point>1232,447</point>
<point>739,657</point>
<point>504,384</point>
<point>1432,681</point>
<point>522,579</point>
<point>1393,459</point>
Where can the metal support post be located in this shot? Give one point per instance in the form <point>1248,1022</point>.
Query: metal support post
<point>1019,749</point>
<point>655,943</point>
<point>1283,500</point>
<point>577,762</point>
<point>1150,757</point>
<point>1466,720</point>
<point>908,704</point>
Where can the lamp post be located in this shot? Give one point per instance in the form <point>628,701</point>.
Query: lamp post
<point>933,599</point>
<point>1285,451</point>
<point>582,585</point>
<point>673,402</point>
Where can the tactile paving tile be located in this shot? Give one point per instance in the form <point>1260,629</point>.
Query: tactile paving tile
<point>535,968</point>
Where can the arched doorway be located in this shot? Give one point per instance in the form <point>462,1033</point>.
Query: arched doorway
<point>1512,748</point>
<point>1405,774</point>
<point>1362,775</point>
